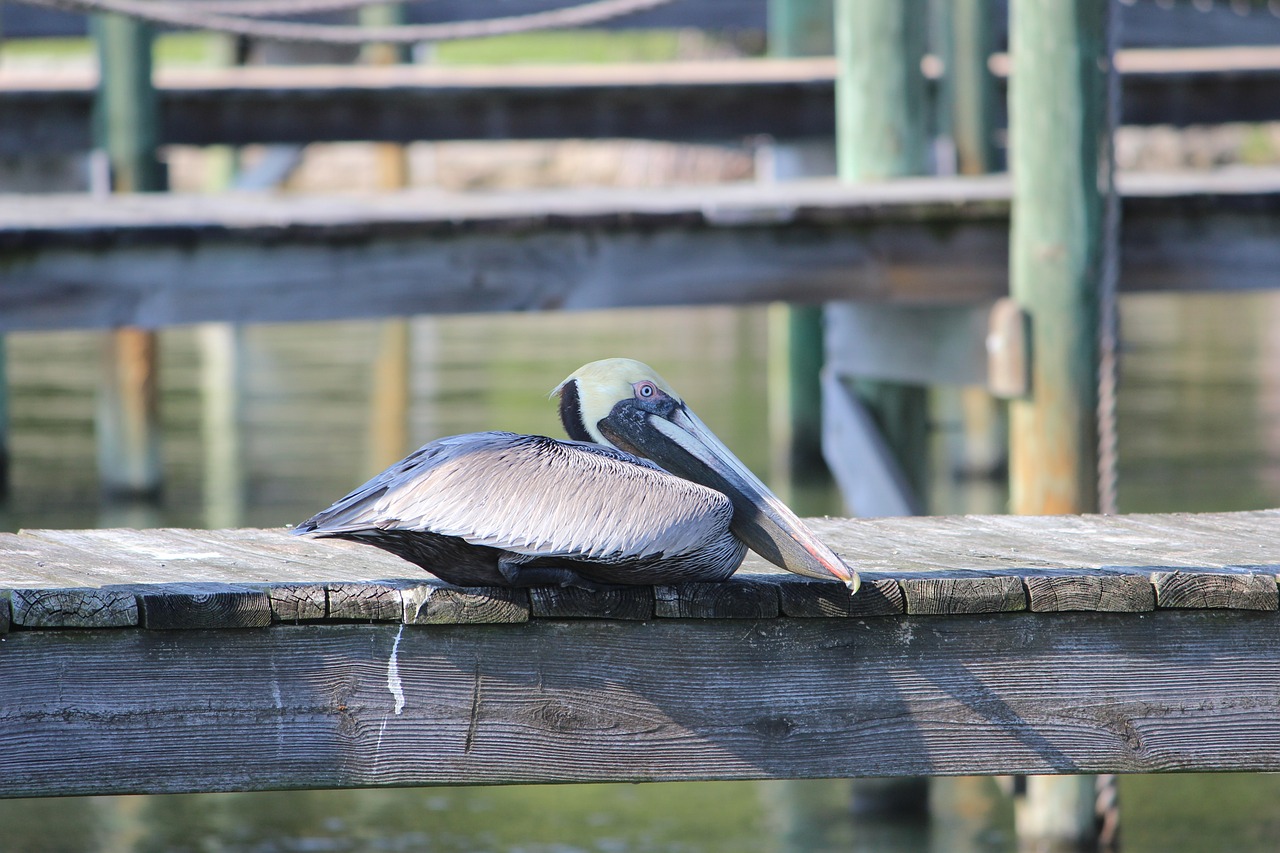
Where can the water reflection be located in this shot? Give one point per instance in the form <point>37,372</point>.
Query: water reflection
<point>1199,427</point>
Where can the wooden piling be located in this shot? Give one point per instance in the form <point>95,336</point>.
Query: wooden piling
<point>968,85</point>
<point>1062,175</point>
<point>797,28</point>
<point>126,127</point>
<point>881,121</point>
<point>389,406</point>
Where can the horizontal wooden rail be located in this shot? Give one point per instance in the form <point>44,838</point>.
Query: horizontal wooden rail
<point>681,101</point>
<point>152,261</point>
<point>256,660</point>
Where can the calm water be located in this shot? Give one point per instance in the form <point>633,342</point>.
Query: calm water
<point>1200,431</point>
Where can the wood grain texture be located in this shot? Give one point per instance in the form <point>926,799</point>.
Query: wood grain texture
<point>584,700</point>
<point>574,603</point>
<point>195,610</point>
<point>741,599</point>
<point>78,262</point>
<point>298,602</point>
<point>947,565</point>
<point>963,595</point>
<point>441,604</point>
<point>1204,589</point>
<point>76,607</point>
<point>876,597</point>
<point>1108,593</point>
<point>364,601</point>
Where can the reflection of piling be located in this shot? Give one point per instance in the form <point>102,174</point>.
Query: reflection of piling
<point>126,128</point>
<point>1061,165</point>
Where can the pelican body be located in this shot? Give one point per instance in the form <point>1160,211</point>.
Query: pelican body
<point>642,493</point>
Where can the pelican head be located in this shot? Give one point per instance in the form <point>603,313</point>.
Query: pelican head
<point>621,403</point>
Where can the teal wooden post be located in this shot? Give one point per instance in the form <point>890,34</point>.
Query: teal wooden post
<point>126,110</point>
<point>1060,157</point>
<point>968,39</point>
<point>126,127</point>
<point>1060,160</point>
<point>799,28</point>
<point>881,121</point>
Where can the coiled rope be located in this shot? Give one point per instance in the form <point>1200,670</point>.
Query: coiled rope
<point>192,16</point>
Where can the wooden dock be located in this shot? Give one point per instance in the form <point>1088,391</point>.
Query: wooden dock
<point>158,260</point>
<point>717,101</point>
<point>182,660</point>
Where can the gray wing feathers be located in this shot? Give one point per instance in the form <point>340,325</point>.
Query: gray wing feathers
<point>536,496</point>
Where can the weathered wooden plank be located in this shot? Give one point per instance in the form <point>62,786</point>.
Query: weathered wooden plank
<point>173,609</point>
<point>572,603</point>
<point>963,595</point>
<point>876,597</point>
<point>583,700</point>
<point>439,603</point>
<point>720,100</point>
<point>1110,593</point>
<point>1205,589</point>
<point>744,599</point>
<point>364,601</point>
<point>298,602</point>
<point>75,607</point>
<point>155,261</point>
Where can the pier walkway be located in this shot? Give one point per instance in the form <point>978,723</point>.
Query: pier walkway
<point>183,660</point>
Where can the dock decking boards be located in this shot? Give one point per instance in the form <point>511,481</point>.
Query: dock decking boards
<point>249,659</point>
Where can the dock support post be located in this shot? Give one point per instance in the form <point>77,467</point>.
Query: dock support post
<point>881,110</point>
<point>126,127</point>
<point>798,28</point>
<point>968,40</point>
<point>389,408</point>
<point>881,121</point>
<point>1060,157</point>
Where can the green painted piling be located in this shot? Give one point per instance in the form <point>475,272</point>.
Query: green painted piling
<point>968,86</point>
<point>126,110</point>
<point>881,98</point>
<point>126,128</point>
<point>1061,177</point>
<point>801,28</point>
<point>1062,174</point>
<point>881,124</point>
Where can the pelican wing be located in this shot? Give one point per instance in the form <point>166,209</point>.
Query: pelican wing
<point>537,496</point>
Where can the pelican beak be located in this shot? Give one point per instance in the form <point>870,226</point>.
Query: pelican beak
<point>680,442</point>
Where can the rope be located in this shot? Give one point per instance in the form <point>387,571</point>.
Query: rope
<point>1108,317</point>
<point>180,15</point>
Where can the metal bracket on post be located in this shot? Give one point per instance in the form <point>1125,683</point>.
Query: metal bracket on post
<point>1008,350</point>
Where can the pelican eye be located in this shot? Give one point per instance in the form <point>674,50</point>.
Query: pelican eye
<point>646,390</point>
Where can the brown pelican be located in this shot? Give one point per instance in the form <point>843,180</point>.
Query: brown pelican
<point>497,508</point>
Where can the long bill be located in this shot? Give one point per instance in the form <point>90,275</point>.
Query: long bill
<point>682,444</point>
